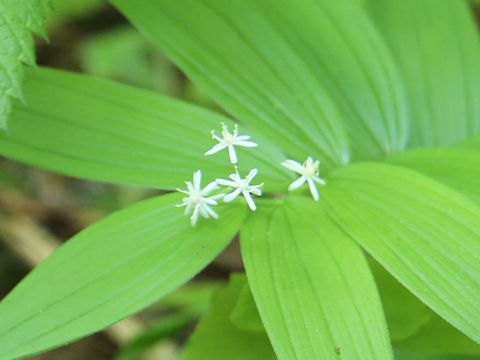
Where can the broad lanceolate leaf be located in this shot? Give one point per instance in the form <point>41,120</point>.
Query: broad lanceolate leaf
<point>412,325</point>
<point>100,130</point>
<point>473,143</point>
<point>438,51</point>
<point>239,57</point>
<point>294,69</point>
<point>109,271</point>
<point>424,233</point>
<point>17,19</point>
<point>313,288</point>
<point>407,355</point>
<point>245,313</point>
<point>437,336</point>
<point>457,167</point>
<point>404,312</point>
<point>218,338</point>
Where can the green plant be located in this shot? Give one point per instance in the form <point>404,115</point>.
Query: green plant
<point>17,19</point>
<point>354,84</point>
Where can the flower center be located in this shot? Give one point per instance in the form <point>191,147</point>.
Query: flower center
<point>242,184</point>
<point>310,171</point>
<point>228,138</point>
<point>195,198</point>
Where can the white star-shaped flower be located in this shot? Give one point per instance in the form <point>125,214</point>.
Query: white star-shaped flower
<point>198,199</point>
<point>229,141</point>
<point>309,173</point>
<point>242,186</point>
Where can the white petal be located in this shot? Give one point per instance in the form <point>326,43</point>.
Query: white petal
<point>313,189</point>
<point>250,202</point>
<point>232,154</point>
<point>226,182</point>
<point>243,137</point>
<point>297,183</point>
<point>251,175</point>
<point>204,212</point>
<point>189,187</point>
<point>210,201</point>
<point>215,197</point>
<point>215,137</point>
<point>188,209</point>
<point>183,191</point>
<point>209,188</point>
<point>212,213</point>
<point>308,162</point>
<point>232,196</point>
<point>197,180</point>
<point>247,144</point>
<point>216,148</point>
<point>194,218</point>
<point>293,165</point>
<point>255,190</point>
<point>320,181</point>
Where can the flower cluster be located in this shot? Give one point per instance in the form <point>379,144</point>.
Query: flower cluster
<point>198,202</point>
<point>309,174</point>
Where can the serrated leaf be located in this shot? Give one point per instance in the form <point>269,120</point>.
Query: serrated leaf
<point>458,168</point>
<point>423,232</point>
<point>437,48</point>
<point>17,19</point>
<point>295,70</point>
<point>218,338</point>
<point>312,285</point>
<point>100,130</point>
<point>109,271</point>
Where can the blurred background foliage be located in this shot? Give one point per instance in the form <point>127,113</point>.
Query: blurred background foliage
<point>40,210</point>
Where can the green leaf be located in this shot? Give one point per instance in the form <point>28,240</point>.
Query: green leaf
<point>17,19</point>
<point>96,129</point>
<point>404,312</point>
<point>223,46</point>
<point>312,285</point>
<point>406,355</point>
<point>473,143</point>
<point>437,336</point>
<point>424,233</point>
<point>245,313</point>
<point>109,271</point>
<point>216,336</point>
<point>437,48</point>
<point>412,325</point>
<point>457,167</point>
<point>294,70</point>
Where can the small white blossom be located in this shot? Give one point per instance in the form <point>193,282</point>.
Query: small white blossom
<point>242,186</point>
<point>198,200</point>
<point>229,141</point>
<point>309,173</point>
